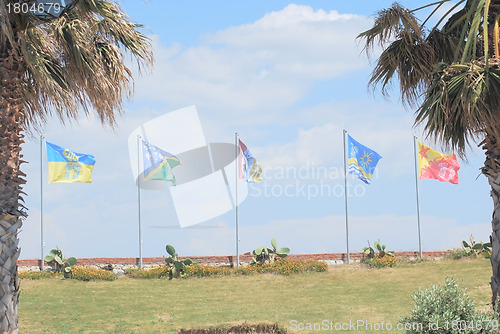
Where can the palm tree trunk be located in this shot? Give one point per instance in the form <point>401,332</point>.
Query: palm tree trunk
<point>11,181</point>
<point>492,171</point>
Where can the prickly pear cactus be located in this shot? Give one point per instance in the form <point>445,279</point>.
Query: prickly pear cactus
<point>177,266</point>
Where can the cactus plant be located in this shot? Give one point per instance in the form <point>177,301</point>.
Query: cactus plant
<point>178,267</point>
<point>55,257</point>
<point>370,253</point>
<point>268,255</point>
<point>381,249</point>
<point>476,247</point>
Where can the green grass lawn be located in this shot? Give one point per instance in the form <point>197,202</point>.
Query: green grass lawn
<point>343,294</point>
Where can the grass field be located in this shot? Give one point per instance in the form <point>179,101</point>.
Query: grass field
<point>343,294</point>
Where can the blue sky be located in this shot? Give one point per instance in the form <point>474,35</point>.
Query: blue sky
<point>288,77</point>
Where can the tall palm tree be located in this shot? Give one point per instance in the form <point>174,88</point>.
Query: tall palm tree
<point>450,73</point>
<point>54,66</point>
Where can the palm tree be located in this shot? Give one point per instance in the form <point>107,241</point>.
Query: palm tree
<point>450,73</point>
<point>54,66</point>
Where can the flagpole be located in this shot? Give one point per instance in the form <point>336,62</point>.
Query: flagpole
<point>346,202</point>
<point>415,150</point>
<point>139,198</point>
<point>42,264</point>
<point>236,202</point>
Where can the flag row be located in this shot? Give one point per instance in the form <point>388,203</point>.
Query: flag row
<point>68,166</point>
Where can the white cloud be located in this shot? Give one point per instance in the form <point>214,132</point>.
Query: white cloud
<point>257,67</point>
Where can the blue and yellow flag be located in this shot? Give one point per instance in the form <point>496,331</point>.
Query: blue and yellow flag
<point>361,160</point>
<point>157,163</point>
<point>68,166</point>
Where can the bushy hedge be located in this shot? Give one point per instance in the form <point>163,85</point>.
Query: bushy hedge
<point>281,267</point>
<point>381,262</point>
<point>81,273</point>
<point>203,270</point>
<point>284,267</point>
<point>155,272</point>
<point>91,274</point>
<point>446,310</point>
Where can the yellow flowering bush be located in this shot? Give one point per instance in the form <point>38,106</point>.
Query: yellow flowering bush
<point>281,267</point>
<point>155,272</point>
<point>284,267</point>
<point>381,262</point>
<point>81,273</point>
<point>203,270</point>
<point>90,274</point>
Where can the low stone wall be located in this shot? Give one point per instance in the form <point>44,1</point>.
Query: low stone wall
<point>120,264</point>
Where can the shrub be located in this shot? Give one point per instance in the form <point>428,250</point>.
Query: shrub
<point>446,310</point>
<point>202,270</point>
<point>380,262</point>
<point>457,254</point>
<point>155,272</point>
<point>284,267</point>
<point>91,274</point>
<point>37,274</point>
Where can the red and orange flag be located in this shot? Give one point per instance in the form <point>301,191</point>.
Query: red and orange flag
<point>435,165</point>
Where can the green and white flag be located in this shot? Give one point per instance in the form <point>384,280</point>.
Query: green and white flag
<point>157,163</point>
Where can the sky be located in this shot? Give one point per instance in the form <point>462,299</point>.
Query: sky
<point>288,77</point>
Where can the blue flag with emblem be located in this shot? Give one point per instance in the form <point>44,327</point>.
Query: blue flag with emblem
<point>157,163</point>
<point>68,166</point>
<point>361,160</point>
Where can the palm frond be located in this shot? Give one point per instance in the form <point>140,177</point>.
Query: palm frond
<point>443,46</point>
<point>461,103</point>
<point>6,33</point>
<point>389,23</point>
<point>411,60</point>
<point>76,61</point>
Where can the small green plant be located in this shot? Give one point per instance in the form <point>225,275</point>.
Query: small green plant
<point>177,266</point>
<point>56,259</point>
<point>473,247</point>
<point>268,255</point>
<point>445,310</point>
